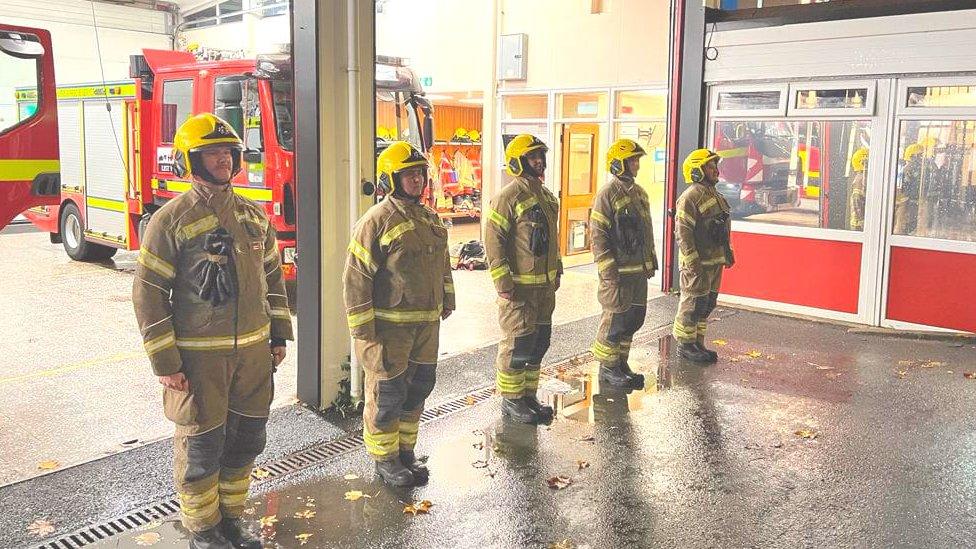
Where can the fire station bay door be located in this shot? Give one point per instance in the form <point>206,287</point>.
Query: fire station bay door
<point>580,146</point>
<point>805,167</point>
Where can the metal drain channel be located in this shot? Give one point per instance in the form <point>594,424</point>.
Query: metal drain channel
<point>292,463</point>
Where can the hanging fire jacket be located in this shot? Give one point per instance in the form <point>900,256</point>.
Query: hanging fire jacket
<point>398,270</point>
<point>521,236</point>
<point>623,236</point>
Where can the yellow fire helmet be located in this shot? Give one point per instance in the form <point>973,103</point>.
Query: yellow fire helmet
<point>911,151</point>
<point>400,155</point>
<point>517,148</point>
<point>621,150</point>
<point>692,166</point>
<point>859,159</point>
<point>200,132</point>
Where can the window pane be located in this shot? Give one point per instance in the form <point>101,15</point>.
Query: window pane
<point>202,18</point>
<point>651,136</point>
<point>18,82</point>
<point>942,96</point>
<point>580,169</point>
<point>525,106</point>
<point>583,105</point>
<point>803,173</point>
<point>578,230</point>
<point>244,115</point>
<point>642,104</point>
<point>936,183</point>
<point>177,107</point>
<point>851,98</point>
<point>748,100</point>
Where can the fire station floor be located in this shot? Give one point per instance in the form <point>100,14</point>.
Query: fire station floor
<point>802,435</point>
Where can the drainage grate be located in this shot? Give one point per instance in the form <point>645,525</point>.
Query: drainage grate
<point>278,468</point>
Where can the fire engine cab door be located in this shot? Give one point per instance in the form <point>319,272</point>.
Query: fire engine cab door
<point>29,165</point>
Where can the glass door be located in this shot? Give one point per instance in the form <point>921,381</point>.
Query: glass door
<point>580,143</point>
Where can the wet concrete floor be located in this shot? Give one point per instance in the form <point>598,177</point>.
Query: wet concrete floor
<point>803,435</point>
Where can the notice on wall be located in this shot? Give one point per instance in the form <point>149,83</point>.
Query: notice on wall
<point>164,159</point>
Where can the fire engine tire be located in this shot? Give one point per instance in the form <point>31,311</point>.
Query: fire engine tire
<point>73,237</point>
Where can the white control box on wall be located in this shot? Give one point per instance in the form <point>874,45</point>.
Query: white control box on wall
<point>512,61</point>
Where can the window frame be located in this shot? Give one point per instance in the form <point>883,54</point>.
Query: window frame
<point>162,89</point>
<point>39,101</point>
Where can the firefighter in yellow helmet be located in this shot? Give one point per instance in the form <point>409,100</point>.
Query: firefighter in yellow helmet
<point>397,286</point>
<point>521,241</point>
<point>623,247</point>
<point>907,196</point>
<point>702,227</point>
<point>210,300</point>
<point>855,203</point>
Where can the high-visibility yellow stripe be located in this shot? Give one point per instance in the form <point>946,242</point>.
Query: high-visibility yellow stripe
<point>160,343</point>
<point>199,506</point>
<point>510,382</point>
<point>498,219</point>
<point>733,153</point>
<point>407,316</point>
<point>280,313</point>
<point>534,278</point>
<point>717,260</point>
<point>621,202</point>
<point>235,485</point>
<point>603,351</point>
<point>233,500</point>
<point>155,264</point>
<point>26,170</point>
<point>708,204</point>
<point>408,433</point>
<point>631,269</point>
<point>520,207</point>
<point>604,264</point>
<point>257,194</point>
<point>531,380</point>
<point>449,287</point>
<point>271,255</point>
<point>225,342</point>
<point>381,444</point>
<point>682,332</point>
<point>600,218</point>
<point>396,232</point>
<point>358,319</point>
<point>198,227</point>
<point>361,253</point>
<point>685,259</point>
<point>105,204</point>
<point>683,216</point>
<point>500,271</point>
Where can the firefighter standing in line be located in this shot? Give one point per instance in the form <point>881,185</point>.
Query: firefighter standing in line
<point>702,228</point>
<point>397,286</point>
<point>855,206</point>
<point>623,248</point>
<point>521,239</point>
<point>210,299</point>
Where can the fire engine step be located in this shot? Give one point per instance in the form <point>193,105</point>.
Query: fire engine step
<point>292,463</point>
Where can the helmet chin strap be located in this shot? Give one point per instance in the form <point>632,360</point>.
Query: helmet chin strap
<point>399,192</point>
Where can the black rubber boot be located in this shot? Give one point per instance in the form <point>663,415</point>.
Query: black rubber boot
<point>637,380</point>
<point>238,535</point>
<point>694,353</point>
<point>712,354</point>
<point>611,374</point>
<point>209,539</point>
<point>394,473</point>
<point>519,410</point>
<point>544,412</point>
<point>421,474</point>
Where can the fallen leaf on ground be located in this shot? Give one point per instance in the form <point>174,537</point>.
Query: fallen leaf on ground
<point>901,374</point>
<point>733,359</point>
<point>754,354</point>
<point>564,544</point>
<point>721,342</point>
<point>969,375</point>
<point>906,362</point>
<point>825,367</point>
<point>480,464</point>
<point>582,464</point>
<point>950,372</point>
<point>306,514</point>
<point>260,473</point>
<point>48,465</point>
<point>559,482</point>
<point>149,538</point>
<point>303,538</point>
<point>807,433</point>
<point>354,495</point>
<point>470,400</point>
<point>41,527</point>
<point>587,438</point>
<point>268,520</point>
<point>351,476</point>
<point>418,507</point>
<point>933,364</point>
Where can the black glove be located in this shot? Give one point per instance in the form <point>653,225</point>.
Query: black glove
<point>215,275</point>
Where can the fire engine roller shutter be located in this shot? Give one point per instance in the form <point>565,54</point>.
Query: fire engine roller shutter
<point>104,170</point>
<point>69,143</point>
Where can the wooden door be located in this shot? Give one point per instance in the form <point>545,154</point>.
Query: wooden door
<point>580,146</point>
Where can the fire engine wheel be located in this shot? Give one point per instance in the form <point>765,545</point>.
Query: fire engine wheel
<point>73,238</point>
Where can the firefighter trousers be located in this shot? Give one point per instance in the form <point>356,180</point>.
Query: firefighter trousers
<point>526,322</point>
<point>699,294</point>
<point>220,430</point>
<point>624,305</point>
<point>400,370</point>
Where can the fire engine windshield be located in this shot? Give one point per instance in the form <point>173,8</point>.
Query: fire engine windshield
<point>281,92</point>
<point>397,119</point>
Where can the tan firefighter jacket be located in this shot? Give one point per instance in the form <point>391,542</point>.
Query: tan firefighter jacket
<point>508,233</point>
<point>398,270</point>
<point>171,315</point>
<point>695,214</point>
<point>621,201</point>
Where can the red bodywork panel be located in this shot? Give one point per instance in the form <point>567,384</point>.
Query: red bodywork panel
<point>823,274</point>
<point>932,288</point>
<point>30,148</point>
